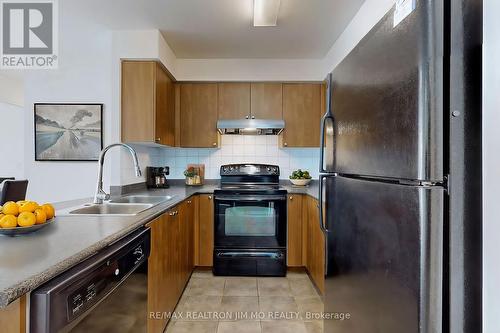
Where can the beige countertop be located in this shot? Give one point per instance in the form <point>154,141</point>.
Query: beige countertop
<point>30,260</point>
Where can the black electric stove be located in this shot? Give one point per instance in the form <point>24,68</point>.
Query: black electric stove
<point>250,221</point>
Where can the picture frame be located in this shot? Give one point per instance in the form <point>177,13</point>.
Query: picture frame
<point>71,132</point>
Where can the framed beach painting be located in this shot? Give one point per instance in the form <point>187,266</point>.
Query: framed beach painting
<point>68,132</point>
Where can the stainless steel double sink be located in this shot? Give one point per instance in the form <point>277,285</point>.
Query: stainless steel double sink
<point>124,206</point>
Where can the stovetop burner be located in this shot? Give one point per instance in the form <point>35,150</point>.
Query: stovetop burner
<point>250,178</point>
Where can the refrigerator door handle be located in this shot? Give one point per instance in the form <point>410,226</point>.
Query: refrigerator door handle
<point>322,226</point>
<point>326,116</point>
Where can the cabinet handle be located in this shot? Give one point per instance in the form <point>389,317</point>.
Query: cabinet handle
<point>209,197</point>
<point>171,213</point>
<point>291,197</point>
<point>158,140</point>
<point>285,144</point>
<point>189,201</point>
<point>253,117</point>
<point>214,144</point>
<point>246,117</point>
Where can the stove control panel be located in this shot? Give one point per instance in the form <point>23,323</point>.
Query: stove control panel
<point>249,170</point>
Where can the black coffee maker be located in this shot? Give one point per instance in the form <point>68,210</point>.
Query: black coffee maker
<point>156,177</point>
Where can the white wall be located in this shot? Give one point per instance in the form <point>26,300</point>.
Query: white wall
<point>11,141</point>
<point>491,167</point>
<point>84,75</point>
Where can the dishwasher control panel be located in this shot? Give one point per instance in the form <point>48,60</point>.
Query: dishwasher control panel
<point>72,294</point>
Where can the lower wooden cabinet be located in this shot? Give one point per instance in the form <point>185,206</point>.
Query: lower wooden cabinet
<point>294,237</point>
<point>13,317</point>
<point>316,245</point>
<point>171,261</point>
<point>306,241</point>
<point>206,230</point>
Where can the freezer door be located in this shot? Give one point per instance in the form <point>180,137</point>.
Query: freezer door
<point>384,257</point>
<point>387,99</point>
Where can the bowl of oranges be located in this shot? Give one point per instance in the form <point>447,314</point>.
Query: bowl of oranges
<point>24,216</point>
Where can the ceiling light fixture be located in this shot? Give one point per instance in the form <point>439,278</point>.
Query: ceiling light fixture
<point>265,13</point>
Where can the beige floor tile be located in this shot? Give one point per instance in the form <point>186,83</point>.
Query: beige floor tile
<point>273,286</point>
<point>193,306</point>
<point>285,326</point>
<point>202,273</point>
<point>296,275</point>
<point>240,286</point>
<point>240,304</point>
<point>205,286</point>
<point>277,304</point>
<point>239,327</point>
<point>315,326</point>
<point>312,304</point>
<point>302,287</point>
<point>192,327</point>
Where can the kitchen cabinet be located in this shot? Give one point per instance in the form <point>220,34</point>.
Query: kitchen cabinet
<point>171,262</point>
<point>302,111</point>
<point>13,317</point>
<point>147,103</point>
<point>266,101</point>
<point>294,237</point>
<point>198,115</point>
<point>315,245</point>
<point>206,230</point>
<point>187,221</point>
<point>234,100</point>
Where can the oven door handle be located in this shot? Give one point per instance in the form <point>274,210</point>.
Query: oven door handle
<point>254,198</point>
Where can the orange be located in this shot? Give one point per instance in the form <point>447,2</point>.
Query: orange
<point>49,210</point>
<point>1,215</point>
<point>10,208</point>
<point>28,206</point>
<point>21,202</point>
<point>40,215</point>
<point>8,221</point>
<point>26,219</point>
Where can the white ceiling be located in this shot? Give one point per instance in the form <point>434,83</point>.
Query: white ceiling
<point>199,29</point>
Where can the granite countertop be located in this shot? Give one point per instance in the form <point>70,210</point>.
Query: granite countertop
<point>30,260</point>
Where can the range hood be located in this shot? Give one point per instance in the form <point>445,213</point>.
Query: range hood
<point>250,126</point>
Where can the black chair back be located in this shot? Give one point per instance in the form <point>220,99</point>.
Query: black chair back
<point>6,178</point>
<point>13,190</point>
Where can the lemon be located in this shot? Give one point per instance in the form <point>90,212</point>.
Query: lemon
<point>49,210</point>
<point>26,219</point>
<point>28,206</point>
<point>8,221</point>
<point>10,208</point>
<point>40,215</point>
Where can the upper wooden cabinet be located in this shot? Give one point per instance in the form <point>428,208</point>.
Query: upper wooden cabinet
<point>234,100</point>
<point>266,100</point>
<point>302,111</point>
<point>198,115</point>
<point>147,103</point>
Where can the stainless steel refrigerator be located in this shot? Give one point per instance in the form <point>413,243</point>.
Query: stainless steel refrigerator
<point>383,175</point>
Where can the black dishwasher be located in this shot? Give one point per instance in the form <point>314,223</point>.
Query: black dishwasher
<point>105,293</point>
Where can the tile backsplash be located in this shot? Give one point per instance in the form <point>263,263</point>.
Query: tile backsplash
<point>234,149</point>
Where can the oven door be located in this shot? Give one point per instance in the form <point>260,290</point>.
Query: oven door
<point>247,221</point>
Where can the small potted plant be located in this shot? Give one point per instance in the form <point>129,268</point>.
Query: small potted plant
<point>192,176</point>
<point>300,178</point>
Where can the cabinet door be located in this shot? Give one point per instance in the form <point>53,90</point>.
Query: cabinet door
<point>267,101</point>
<point>186,218</point>
<point>138,101</point>
<point>302,114</point>
<point>294,250</point>
<point>206,230</point>
<point>165,111</point>
<point>198,113</point>
<point>161,272</point>
<point>317,246</point>
<point>234,100</point>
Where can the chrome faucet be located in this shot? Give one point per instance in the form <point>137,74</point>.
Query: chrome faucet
<point>100,195</point>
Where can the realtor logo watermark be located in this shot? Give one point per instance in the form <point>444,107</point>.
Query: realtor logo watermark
<point>29,36</point>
